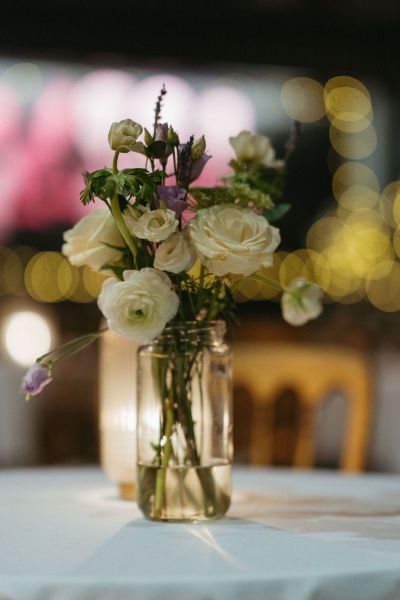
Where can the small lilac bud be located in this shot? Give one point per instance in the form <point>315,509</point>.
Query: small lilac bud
<point>35,379</point>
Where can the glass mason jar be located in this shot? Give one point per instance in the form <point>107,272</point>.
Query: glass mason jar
<point>184,423</point>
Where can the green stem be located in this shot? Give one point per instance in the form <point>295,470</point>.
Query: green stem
<point>119,218</point>
<point>166,454</point>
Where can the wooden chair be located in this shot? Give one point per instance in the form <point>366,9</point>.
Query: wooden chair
<point>312,371</point>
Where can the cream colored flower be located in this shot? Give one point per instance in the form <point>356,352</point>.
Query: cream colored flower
<point>154,225</point>
<point>123,135</point>
<point>255,148</point>
<point>231,239</point>
<point>301,302</point>
<point>139,307</point>
<point>175,254</point>
<point>85,243</point>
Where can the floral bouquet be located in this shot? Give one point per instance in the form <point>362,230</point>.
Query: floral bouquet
<point>175,255</point>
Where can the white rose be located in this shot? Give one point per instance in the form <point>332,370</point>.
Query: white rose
<point>139,307</point>
<point>256,148</point>
<point>301,302</point>
<point>123,135</point>
<point>231,239</point>
<point>85,242</point>
<point>175,254</point>
<point>155,225</point>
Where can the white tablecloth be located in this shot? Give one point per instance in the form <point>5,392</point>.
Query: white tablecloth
<point>64,535</point>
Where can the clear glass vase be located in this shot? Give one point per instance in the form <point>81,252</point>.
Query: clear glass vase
<point>184,424</point>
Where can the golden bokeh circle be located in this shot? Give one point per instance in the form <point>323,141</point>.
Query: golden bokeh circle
<point>347,99</point>
<point>355,186</point>
<point>303,99</point>
<point>11,271</point>
<point>390,203</point>
<point>355,146</point>
<point>384,293</point>
<point>41,277</point>
<point>292,267</point>
<point>323,231</point>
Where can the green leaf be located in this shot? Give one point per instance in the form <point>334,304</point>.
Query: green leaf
<point>116,269</point>
<point>276,213</point>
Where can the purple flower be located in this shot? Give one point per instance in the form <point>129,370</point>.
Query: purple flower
<point>35,379</point>
<point>198,166</point>
<point>189,169</point>
<point>173,196</point>
<point>161,132</point>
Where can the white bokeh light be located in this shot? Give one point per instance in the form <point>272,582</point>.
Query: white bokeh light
<point>100,98</point>
<point>223,112</point>
<point>178,104</point>
<point>26,336</point>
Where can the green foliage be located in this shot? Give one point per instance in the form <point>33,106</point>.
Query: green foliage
<point>239,193</point>
<point>128,183</point>
<point>277,212</point>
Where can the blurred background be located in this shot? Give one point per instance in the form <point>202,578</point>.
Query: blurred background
<point>68,70</point>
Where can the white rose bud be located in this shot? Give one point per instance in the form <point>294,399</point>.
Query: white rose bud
<point>123,135</point>
<point>255,148</point>
<point>231,239</point>
<point>175,254</point>
<point>155,225</point>
<point>139,307</point>
<point>301,302</point>
<point>85,243</point>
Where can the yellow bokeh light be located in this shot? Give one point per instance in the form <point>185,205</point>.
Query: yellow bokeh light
<point>355,186</point>
<point>396,241</point>
<point>67,278</point>
<point>381,269</point>
<point>353,145</point>
<point>257,289</point>
<point>318,269</point>
<point>347,99</point>
<point>11,271</point>
<point>292,267</point>
<point>384,293</point>
<point>41,277</point>
<point>323,231</point>
<point>93,281</point>
<point>303,99</point>
<point>351,126</point>
<point>389,204</point>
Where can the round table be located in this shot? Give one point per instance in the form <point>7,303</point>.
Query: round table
<point>297,535</point>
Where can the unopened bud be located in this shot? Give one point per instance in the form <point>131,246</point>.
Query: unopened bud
<point>148,138</point>
<point>198,148</point>
<point>172,137</point>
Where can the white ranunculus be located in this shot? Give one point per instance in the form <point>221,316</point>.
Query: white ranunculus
<point>155,225</point>
<point>254,147</point>
<point>301,302</point>
<point>123,135</point>
<point>85,243</point>
<point>231,239</point>
<point>175,254</point>
<point>139,307</point>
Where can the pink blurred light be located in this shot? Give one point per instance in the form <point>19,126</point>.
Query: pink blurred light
<point>50,128</point>
<point>10,115</point>
<point>99,98</point>
<point>223,111</point>
<point>177,108</point>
